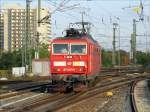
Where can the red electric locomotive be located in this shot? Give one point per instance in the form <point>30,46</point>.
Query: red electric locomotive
<point>75,58</point>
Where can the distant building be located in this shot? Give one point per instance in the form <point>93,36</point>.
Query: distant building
<point>13,27</point>
<point>1,32</point>
<point>45,27</point>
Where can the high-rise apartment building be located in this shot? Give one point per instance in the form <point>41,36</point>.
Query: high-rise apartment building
<point>1,32</point>
<point>13,27</point>
<point>45,26</point>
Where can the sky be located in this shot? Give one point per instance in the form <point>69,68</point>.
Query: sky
<point>102,14</point>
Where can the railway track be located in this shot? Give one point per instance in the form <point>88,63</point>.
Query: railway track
<point>29,102</point>
<point>92,92</point>
<point>22,90</point>
<point>21,93</point>
<point>26,89</point>
<point>132,99</point>
<point>52,102</point>
<point>139,98</point>
<point>5,82</point>
<point>133,69</point>
<point>59,101</point>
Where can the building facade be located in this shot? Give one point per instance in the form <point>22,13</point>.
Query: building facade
<point>1,32</point>
<point>13,28</point>
<point>45,26</point>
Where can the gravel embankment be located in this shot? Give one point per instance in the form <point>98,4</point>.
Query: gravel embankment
<point>119,102</point>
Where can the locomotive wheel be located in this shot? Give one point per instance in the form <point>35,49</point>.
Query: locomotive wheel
<point>80,87</point>
<point>54,82</point>
<point>87,83</point>
<point>90,83</point>
<point>42,89</point>
<point>69,89</point>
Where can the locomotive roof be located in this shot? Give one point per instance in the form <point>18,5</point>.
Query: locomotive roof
<point>76,34</point>
<point>78,37</point>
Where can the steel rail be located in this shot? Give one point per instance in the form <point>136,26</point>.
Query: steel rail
<point>64,102</point>
<point>91,93</point>
<point>21,91</point>
<point>132,99</point>
<point>31,88</point>
<point>36,102</point>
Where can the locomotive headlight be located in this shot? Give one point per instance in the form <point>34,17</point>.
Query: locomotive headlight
<point>78,63</point>
<point>59,63</point>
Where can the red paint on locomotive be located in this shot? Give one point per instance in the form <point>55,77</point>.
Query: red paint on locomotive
<point>83,64</point>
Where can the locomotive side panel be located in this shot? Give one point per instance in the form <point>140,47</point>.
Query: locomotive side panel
<point>94,59</point>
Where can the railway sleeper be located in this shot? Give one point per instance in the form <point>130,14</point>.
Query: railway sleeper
<point>83,86</point>
<point>47,89</point>
<point>57,87</point>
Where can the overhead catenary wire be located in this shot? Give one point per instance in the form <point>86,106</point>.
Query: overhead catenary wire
<point>99,21</point>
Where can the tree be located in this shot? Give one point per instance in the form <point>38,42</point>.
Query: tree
<point>142,58</point>
<point>43,51</point>
<point>106,58</point>
<point>10,59</point>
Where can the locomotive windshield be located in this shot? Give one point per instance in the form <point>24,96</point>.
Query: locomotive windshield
<point>60,48</point>
<point>78,49</point>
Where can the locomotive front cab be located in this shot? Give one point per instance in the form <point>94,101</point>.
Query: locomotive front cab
<point>69,59</point>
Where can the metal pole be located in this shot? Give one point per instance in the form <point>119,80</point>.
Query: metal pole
<point>83,28</point>
<point>39,8</point>
<point>131,52</point>
<point>28,38</point>
<point>38,34</point>
<point>146,44</point>
<point>26,35</point>
<point>134,41</point>
<point>22,53</point>
<point>24,45</point>
<point>114,45</point>
<point>119,63</point>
